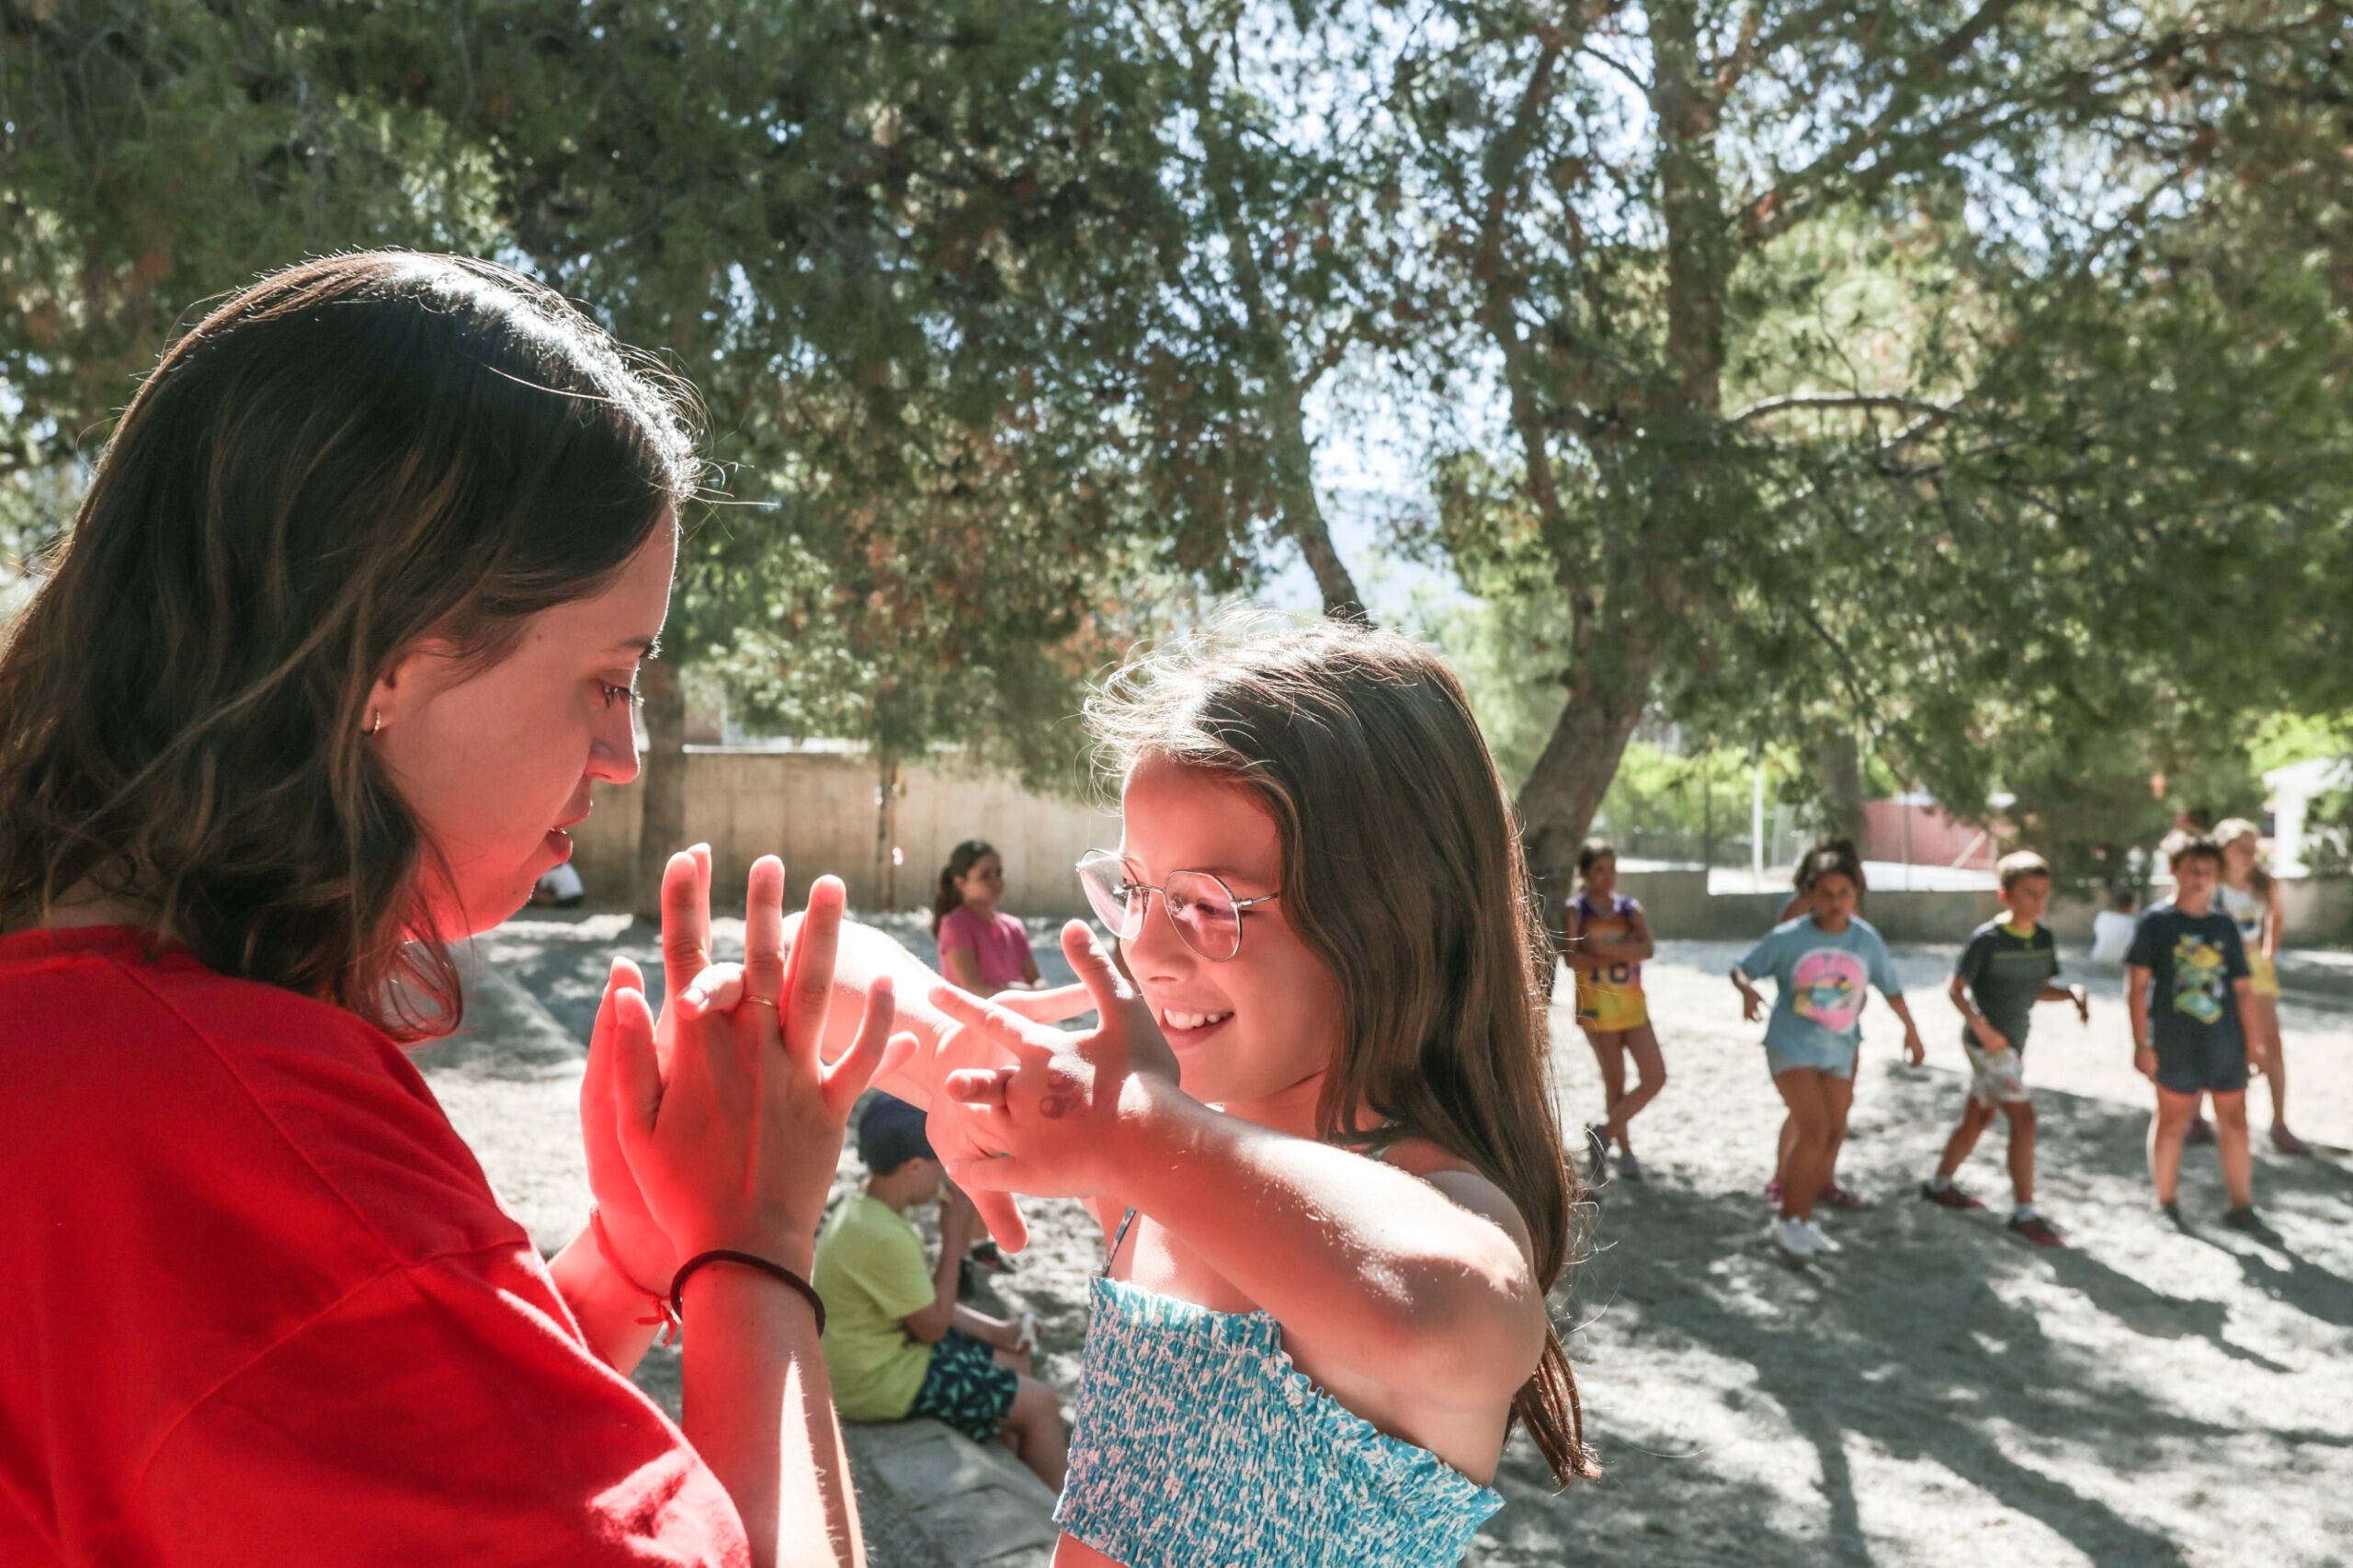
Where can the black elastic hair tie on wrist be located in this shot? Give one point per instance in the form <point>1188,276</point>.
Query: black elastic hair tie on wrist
<point>749,1260</point>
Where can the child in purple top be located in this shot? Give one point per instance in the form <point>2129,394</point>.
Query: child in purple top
<point>981,949</point>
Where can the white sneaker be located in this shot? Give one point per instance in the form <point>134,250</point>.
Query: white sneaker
<point>1819,1238</point>
<point>1790,1235</point>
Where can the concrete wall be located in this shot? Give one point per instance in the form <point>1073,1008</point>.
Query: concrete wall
<point>817,810</point>
<point>1681,908</point>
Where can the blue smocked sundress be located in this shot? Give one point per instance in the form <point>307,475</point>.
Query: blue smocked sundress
<point>1196,1440</point>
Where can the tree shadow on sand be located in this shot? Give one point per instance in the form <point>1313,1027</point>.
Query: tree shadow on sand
<point>1902,1347</point>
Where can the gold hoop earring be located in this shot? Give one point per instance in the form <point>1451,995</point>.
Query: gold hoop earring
<point>375,721</point>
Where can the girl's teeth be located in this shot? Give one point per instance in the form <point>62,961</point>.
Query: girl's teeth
<point>1176,1020</point>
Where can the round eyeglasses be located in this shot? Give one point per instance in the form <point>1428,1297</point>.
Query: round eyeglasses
<point>1207,915</point>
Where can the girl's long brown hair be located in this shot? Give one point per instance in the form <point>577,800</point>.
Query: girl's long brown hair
<point>1403,871</point>
<point>345,457</point>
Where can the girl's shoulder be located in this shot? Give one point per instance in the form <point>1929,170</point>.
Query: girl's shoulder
<point>1460,1180</point>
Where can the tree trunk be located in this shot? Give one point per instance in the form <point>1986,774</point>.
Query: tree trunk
<point>1841,768</point>
<point>662,787</point>
<point>1272,347</point>
<point>886,829</point>
<point>1304,513</point>
<point>1566,787</point>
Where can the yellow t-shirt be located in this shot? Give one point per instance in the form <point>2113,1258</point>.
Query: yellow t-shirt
<point>871,1269</point>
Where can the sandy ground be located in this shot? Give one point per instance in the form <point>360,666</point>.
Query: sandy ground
<point>1937,1394</point>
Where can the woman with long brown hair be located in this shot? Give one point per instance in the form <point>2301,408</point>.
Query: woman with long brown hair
<point>1316,1126</point>
<point>345,633</point>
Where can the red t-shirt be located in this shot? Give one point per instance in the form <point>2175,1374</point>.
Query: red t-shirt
<point>261,1306</point>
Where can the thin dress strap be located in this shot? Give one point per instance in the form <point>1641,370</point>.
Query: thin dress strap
<point>1117,1237</point>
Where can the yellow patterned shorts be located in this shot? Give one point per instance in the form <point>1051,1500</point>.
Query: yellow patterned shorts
<point>2262,974</point>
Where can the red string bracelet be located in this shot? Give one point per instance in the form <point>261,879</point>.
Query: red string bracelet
<point>662,1318</point>
<point>749,1260</point>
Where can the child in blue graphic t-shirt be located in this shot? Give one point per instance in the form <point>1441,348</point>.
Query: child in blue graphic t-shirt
<point>2186,982</point>
<point>1824,964</point>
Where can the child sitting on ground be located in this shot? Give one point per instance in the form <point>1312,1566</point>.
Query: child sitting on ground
<point>2009,966</point>
<point>2194,1025</point>
<point>898,1342</point>
<point>982,947</point>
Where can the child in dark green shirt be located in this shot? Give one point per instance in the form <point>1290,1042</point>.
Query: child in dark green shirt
<point>2009,966</point>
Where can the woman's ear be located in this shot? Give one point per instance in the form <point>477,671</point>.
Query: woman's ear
<point>407,677</point>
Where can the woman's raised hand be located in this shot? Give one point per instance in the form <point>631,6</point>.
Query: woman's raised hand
<point>641,1245</point>
<point>1048,1123</point>
<point>735,1144</point>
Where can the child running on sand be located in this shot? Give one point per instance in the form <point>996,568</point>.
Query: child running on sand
<point>1800,903</point>
<point>2009,965</point>
<point>1315,1129</point>
<point>1823,966</point>
<point>1607,939</point>
<point>2251,899</point>
<point>2194,1026</point>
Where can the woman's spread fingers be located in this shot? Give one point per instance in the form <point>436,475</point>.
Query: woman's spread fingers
<point>858,1064</point>
<point>808,994</point>
<point>628,1028</point>
<point>685,924</point>
<point>764,930</point>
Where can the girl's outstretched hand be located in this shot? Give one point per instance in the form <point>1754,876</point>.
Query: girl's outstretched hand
<point>1050,1123</point>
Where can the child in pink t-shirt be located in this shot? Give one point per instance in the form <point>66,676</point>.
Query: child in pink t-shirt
<point>981,949</point>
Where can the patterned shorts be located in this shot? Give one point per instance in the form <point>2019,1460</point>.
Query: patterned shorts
<point>1995,1077</point>
<point>965,1388</point>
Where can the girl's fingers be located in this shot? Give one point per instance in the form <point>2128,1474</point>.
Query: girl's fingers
<point>994,1023</point>
<point>897,1052</point>
<point>1093,966</point>
<point>808,982</point>
<point>985,1086</point>
<point>628,1030</point>
<point>1047,1006</point>
<point>715,990</point>
<point>764,930</point>
<point>1000,1214</point>
<point>864,1058</point>
<point>686,920</point>
<point>1001,1175</point>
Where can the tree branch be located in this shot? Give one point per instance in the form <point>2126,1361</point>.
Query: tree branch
<point>1930,61</point>
<point>1798,400</point>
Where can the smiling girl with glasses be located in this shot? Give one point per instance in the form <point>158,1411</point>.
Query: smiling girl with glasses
<point>1313,1122</point>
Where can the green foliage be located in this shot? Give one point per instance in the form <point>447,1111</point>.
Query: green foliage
<point>2329,834</point>
<point>1956,374</point>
